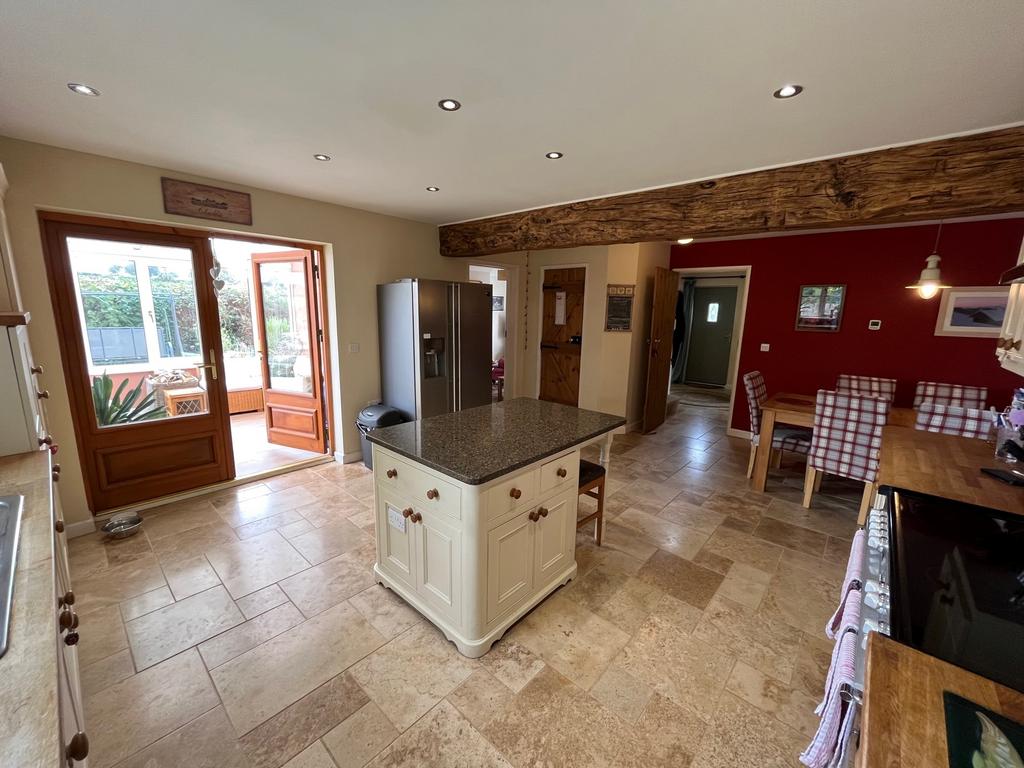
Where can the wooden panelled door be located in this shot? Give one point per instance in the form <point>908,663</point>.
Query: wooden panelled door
<point>561,340</point>
<point>659,356</point>
<point>284,286</point>
<point>140,342</point>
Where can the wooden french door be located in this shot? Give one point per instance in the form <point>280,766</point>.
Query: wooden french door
<point>284,286</point>
<point>561,339</point>
<point>659,355</point>
<point>140,343</point>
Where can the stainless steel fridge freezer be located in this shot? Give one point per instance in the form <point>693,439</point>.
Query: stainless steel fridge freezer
<point>435,346</point>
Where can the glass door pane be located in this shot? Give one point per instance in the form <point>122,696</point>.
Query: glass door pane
<point>140,318</point>
<point>286,326</point>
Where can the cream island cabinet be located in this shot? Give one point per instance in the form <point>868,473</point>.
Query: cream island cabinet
<point>476,511</point>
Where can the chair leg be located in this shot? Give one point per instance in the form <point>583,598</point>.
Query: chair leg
<point>818,477</point>
<point>776,458</point>
<point>810,478</point>
<point>599,520</point>
<point>866,501</point>
<point>750,464</point>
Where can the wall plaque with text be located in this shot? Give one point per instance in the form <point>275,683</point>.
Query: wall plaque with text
<point>186,198</point>
<point>619,310</point>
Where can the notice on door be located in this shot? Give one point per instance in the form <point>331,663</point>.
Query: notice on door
<point>395,519</point>
<point>560,308</point>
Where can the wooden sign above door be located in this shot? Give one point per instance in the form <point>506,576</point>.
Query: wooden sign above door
<point>186,198</point>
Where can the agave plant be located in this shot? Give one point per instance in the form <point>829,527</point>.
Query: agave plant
<point>112,409</point>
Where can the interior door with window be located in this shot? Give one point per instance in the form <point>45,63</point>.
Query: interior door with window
<point>561,339</point>
<point>714,312</point>
<point>284,284</point>
<point>140,343</point>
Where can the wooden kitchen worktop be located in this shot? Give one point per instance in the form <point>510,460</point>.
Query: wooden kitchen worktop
<point>904,722</point>
<point>947,466</point>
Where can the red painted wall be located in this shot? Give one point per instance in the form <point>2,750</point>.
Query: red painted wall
<point>875,265</point>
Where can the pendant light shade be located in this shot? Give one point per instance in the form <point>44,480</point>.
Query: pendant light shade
<point>930,281</point>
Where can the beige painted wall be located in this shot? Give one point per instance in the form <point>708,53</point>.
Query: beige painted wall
<point>613,365</point>
<point>362,249</point>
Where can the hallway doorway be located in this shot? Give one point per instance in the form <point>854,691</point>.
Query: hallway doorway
<point>711,333</point>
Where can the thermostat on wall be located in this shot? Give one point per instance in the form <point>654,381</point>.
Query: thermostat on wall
<point>874,325</point>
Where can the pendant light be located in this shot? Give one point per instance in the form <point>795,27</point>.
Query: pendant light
<point>930,281</point>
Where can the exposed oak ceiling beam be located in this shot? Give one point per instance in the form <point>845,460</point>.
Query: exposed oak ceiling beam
<point>977,175</point>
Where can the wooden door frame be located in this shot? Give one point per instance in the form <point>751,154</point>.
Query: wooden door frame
<point>313,324</point>
<point>54,230</point>
<point>512,313</point>
<point>540,323</point>
<point>741,310</point>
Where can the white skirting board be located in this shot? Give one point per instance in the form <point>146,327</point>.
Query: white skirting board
<point>81,528</point>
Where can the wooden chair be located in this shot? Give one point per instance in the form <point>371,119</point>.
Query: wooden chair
<point>846,441</point>
<point>871,386</point>
<point>959,395</point>
<point>592,477</point>
<point>795,439</point>
<point>951,420</point>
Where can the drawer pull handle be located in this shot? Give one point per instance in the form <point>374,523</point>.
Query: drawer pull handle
<point>542,512</point>
<point>415,517</point>
<point>36,369</point>
<point>78,747</point>
<point>534,516</point>
<point>392,474</point>
<point>515,493</point>
<point>433,494</point>
<point>44,395</point>
<point>407,513</point>
<point>562,472</point>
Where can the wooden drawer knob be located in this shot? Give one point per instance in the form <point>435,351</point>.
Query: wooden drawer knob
<point>415,517</point>
<point>36,369</point>
<point>392,474</point>
<point>407,513</point>
<point>78,747</point>
<point>67,620</point>
<point>534,516</point>
<point>55,475</point>
<point>48,440</point>
<point>58,526</point>
<point>68,598</point>
<point>515,493</point>
<point>542,512</point>
<point>562,472</point>
<point>44,395</point>
<point>71,638</point>
<point>433,494</point>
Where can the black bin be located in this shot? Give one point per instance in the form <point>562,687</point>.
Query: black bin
<point>369,419</point>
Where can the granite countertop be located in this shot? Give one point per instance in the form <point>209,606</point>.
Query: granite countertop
<point>28,671</point>
<point>480,444</point>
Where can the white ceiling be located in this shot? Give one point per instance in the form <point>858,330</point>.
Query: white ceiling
<point>636,94</point>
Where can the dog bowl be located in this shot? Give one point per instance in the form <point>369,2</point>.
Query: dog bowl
<point>122,526</point>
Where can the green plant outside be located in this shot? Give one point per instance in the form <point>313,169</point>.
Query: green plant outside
<point>115,407</point>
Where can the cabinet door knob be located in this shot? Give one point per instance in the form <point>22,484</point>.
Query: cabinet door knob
<point>407,513</point>
<point>562,472</point>
<point>36,369</point>
<point>542,512</point>
<point>71,638</point>
<point>44,395</point>
<point>78,747</point>
<point>58,526</point>
<point>55,476</point>
<point>48,440</point>
<point>68,598</point>
<point>56,468</point>
<point>415,517</point>
<point>534,516</point>
<point>433,494</point>
<point>68,619</point>
<point>392,474</point>
<point>515,493</point>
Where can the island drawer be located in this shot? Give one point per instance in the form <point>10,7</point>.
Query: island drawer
<point>425,490</point>
<point>512,493</point>
<point>563,469</point>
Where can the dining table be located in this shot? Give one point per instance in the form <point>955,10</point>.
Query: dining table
<point>798,411</point>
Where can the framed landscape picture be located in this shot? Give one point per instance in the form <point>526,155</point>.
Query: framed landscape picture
<point>972,311</point>
<point>820,307</point>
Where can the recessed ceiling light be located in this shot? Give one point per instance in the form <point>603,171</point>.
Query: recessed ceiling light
<point>684,240</point>
<point>321,157</point>
<point>553,155</point>
<point>84,90</point>
<point>449,105</point>
<point>433,189</point>
<point>788,91</point>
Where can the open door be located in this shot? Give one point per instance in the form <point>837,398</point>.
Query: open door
<point>284,284</point>
<point>561,340</point>
<point>659,360</point>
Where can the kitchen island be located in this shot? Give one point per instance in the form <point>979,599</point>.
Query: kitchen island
<point>476,511</point>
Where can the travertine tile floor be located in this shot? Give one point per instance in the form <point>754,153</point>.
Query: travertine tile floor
<point>245,629</point>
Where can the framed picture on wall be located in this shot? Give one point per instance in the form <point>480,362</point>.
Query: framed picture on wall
<point>972,311</point>
<point>820,307</point>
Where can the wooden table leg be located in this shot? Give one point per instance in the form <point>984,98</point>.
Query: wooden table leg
<point>764,451</point>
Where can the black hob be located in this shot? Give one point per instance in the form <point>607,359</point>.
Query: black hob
<point>958,584</point>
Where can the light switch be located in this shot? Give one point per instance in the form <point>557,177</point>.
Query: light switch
<point>874,325</point>
<point>766,347</point>
<point>353,347</point>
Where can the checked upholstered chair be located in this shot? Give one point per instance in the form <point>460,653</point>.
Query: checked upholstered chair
<point>951,420</point>
<point>959,395</point>
<point>848,384</point>
<point>847,438</point>
<point>795,439</point>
